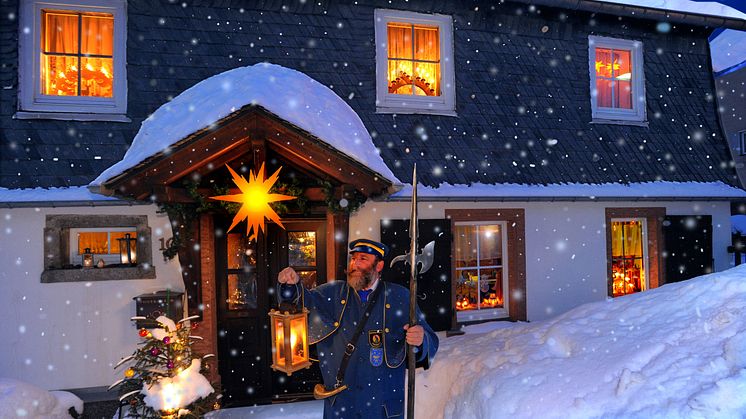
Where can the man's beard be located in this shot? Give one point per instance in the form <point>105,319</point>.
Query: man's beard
<point>360,279</point>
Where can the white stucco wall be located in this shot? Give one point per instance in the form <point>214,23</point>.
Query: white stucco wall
<point>565,243</point>
<point>68,335</point>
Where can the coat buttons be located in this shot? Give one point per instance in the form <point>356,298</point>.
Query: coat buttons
<point>336,324</point>
<point>388,305</point>
<point>386,330</point>
<point>344,302</point>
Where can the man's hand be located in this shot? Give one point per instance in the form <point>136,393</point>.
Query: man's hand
<point>288,276</point>
<point>415,334</point>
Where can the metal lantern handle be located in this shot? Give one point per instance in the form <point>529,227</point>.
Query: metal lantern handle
<point>298,295</point>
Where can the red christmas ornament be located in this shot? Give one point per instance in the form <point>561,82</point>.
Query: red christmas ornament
<point>155,351</point>
<point>167,340</point>
<point>170,365</point>
<point>143,332</point>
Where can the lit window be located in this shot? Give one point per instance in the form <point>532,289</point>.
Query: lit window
<point>302,256</point>
<point>241,273</point>
<point>76,54</point>
<point>480,270</point>
<point>101,242</point>
<point>73,57</point>
<point>628,256</point>
<point>617,80</point>
<point>414,57</point>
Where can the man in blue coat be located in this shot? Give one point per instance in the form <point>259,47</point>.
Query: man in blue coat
<point>374,374</point>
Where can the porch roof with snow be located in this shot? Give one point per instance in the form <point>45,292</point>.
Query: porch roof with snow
<point>326,133</point>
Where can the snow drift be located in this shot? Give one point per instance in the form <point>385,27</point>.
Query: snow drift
<point>675,351</point>
<point>19,399</point>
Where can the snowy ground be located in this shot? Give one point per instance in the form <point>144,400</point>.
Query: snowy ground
<point>23,400</point>
<point>678,351</point>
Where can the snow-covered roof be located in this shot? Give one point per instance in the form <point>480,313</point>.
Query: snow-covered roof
<point>288,94</point>
<point>59,196</point>
<point>728,49</point>
<point>647,190</point>
<point>711,8</point>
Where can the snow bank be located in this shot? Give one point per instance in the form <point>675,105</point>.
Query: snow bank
<point>676,351</point>
<point>301,410</point>
<point>289,94</point>
<point>19,399</point>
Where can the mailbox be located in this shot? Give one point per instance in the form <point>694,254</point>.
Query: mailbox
<point>159,303</point>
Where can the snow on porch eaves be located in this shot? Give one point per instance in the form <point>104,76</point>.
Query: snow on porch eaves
<point>288,94</point>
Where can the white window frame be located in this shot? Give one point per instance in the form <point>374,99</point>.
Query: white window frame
<point>645,260</point>
<point>30,98</point>
<point>638,113</point>
<point>494,313</point>
<point>386,102</point>
<point>109,259</point>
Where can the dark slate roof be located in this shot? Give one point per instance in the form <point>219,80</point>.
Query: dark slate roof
<point>522,95</point>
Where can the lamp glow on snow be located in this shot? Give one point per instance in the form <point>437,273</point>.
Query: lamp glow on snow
<point>289,340</point>
<point>87,258</point>
<point>127,251</point>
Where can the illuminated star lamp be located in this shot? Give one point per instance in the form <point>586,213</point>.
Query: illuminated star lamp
<point>254,199</point>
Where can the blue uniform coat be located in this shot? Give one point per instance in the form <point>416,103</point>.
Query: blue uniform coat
<point>375,378</point>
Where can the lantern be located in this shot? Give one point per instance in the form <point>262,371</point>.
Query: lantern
<point>289,340</point>
<point>87,258</point>
<point>127,251</point>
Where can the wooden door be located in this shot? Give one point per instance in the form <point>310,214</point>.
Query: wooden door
<point>246,275</point>
<point>243,304</point>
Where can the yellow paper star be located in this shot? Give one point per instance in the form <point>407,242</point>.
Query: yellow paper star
<point>254,199</point>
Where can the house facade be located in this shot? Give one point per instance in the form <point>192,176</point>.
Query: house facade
<point>566,153</point>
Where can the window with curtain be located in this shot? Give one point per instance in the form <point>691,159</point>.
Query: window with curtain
<point>613,78</point>
<point>413,59</point>
<point>74,61</point>
<point>479,259</point>
<point>414,62</point>
<point>103,243</point>
<point>628,256</point>
<point>617,80</point>
<point>77,53</point>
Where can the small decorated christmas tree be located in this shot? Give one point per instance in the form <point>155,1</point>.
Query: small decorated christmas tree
<point>164,376</point>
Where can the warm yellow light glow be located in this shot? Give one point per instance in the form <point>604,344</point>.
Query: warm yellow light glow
<point>171,395</point>
<point>254,199</point>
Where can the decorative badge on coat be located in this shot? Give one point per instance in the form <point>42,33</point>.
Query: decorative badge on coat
<point>375,340</point>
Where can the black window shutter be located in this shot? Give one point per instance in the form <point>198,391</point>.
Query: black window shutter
<point>434,286</point>
<point>688,246</point>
